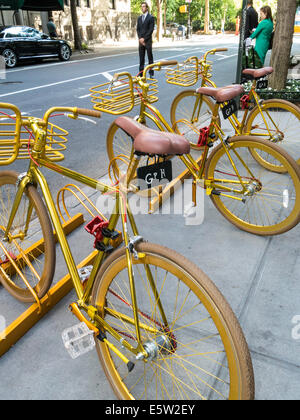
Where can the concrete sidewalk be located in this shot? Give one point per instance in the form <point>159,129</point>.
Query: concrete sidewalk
<point>258,276</point>
<point>95,47</point>
<point>218,39</point>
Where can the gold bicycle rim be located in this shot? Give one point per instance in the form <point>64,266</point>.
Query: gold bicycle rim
<point>291,168</point>
<point>239,365</point>
<point>186,114</point>
<point>254,128</point>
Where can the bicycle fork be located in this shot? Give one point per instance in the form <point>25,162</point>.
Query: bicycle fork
<point>23,180</point>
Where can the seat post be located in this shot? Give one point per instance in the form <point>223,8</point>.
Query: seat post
<point>133,164</point>
<point>214,118</point>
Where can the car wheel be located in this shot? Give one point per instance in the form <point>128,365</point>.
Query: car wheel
<point>10,58</point>
<point>64,53</point>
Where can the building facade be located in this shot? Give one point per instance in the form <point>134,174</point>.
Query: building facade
<point>99,20</point>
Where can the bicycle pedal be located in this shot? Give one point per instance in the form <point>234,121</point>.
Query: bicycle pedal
<point>78,340</point>
<point>189,210</point>
<point>84,273</point>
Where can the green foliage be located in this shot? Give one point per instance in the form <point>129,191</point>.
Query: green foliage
<point>218,9</point>
<point>136,6</point>
<point>291,92</point>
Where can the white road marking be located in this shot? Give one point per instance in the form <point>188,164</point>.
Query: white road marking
<point>90,75</point>
<point>227,56</point>
<point>43,66</point>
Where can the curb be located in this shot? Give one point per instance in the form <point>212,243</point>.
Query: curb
<point>166,42</point>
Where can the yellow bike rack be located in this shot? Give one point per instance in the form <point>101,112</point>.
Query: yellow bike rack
<point>23,323</point>
<point>164,193</point>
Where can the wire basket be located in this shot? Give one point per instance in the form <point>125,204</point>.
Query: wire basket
<point>16,142</point>
<point>121,95</point>
<point>186,74</point>
<point>56,143</point>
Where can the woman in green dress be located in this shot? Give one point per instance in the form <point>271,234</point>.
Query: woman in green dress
<point>263,33</point>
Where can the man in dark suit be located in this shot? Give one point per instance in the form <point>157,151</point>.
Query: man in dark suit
<point>145,28</point>
<point>251,19</point>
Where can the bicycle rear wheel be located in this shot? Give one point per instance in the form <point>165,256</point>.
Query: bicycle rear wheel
<point>118,146</point>
<point>279,123</point>
<point>29,255</point>
<point>271,200</point>
<point>182,119</point>
<point>198,352</point>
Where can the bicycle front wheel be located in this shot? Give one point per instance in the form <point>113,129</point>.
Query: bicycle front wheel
<point>249,195</point>
<point>187,118</point>
<point>195,345</point>
<point>28,257</point>
<point>279,123</point>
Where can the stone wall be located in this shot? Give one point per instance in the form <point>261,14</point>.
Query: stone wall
<point>103,20</point>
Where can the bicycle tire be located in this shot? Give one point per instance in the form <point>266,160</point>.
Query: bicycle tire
<point>34,254</point>
<point>119,148</point>
<point>118,143</point>
<point>278,193</point>
<point>198,317</point>
<point>181,110</point>
<point>283,119</point>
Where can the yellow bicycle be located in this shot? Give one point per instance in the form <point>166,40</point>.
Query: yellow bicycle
<point>230,169</point>
<point>275,120</point>
<point>162,329</point>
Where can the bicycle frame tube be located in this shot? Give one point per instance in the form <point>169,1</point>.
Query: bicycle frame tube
<point>84,296</point>
<point>197,106</point>
<point>256,97</point>
<point>59,230</point>
<point>21,190</point>
<point>155,117</point>
<point>158,120</point>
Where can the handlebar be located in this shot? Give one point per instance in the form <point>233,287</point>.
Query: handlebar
<point>89,112</point>
<point>168,63</point>
<point>214,51</point>
<point>221,49</point>
<point>74,112</point>
<point>159,64</point>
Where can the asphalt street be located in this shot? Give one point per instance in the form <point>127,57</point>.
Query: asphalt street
<point>259,276</point>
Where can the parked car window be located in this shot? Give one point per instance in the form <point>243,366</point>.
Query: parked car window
<point>12,35</point>
<point>33,32</point>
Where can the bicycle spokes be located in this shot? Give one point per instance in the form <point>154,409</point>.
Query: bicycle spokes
<point>249,193</point>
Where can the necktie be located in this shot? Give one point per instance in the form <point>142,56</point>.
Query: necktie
<point>143,18</point>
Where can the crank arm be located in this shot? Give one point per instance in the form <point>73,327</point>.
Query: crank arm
<point>100,335</point>
<point>215,192</point>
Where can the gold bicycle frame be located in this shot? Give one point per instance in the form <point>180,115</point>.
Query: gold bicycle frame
<point>195,169</point>
<point>34,176</point>
<point>238,126</point>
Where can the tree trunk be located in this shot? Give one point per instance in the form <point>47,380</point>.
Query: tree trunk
<point>77,37</point>
<point>159,20</point>
<point>165,17</point>
<point>282,44</point>
<point>206,22</point>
